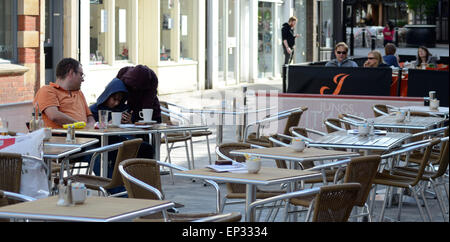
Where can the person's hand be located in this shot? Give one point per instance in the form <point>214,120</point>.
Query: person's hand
<point>366,64</point>
<point>289,51</point>
<point>297,35</point>
<point>126,117</point>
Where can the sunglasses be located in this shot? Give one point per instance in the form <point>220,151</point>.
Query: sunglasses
<point>371,58</point>
<point>341,52</point>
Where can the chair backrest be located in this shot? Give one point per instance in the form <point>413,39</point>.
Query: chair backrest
<point>165,118</point>
<point>10,172</point>
<point>226,148</point>
<point>443,157</point>
<point>334,203</point>
<point>377,108</point>
<point>145,170</point>
<point>334,121</point>
<point>225,218</point>
<point>293,120</point>
<point>425,160</point>
<point>362,170</point>
<point>128,150</point>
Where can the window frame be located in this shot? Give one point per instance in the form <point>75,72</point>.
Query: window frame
<point>14,30</point>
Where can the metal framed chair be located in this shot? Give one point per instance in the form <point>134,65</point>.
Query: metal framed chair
<point>126,150</point>
<point>382,109</point>
<point>413,184</point>
<point>332,203</point>
<point>293,117</point>
<point>142,180</point>
<point>194,134</point>
<point>237,192</point>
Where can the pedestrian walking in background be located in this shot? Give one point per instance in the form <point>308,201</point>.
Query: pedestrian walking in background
<point>388,33</point>
<point>288,37</point>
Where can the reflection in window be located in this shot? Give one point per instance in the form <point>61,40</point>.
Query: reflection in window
<point>98,31</point>
<point>186,29</point>
<point>122,28</point>
<point>7,31</point>
<point>166,29</point>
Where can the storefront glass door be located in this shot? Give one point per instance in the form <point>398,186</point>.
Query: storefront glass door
<point>228,41</point>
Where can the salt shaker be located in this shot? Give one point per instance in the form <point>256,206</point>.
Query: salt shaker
<point>408,115</point>
<point>70,137</point>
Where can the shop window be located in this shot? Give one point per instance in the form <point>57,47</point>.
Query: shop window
<point>186,29</point>
<point>122,29</point>
<point>98,32</point>
<point>177,30</point>
<point>8,31</point>
<point>167,27</point>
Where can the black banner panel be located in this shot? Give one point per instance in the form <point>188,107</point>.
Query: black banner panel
<point>421,82</point>
<point>339,80</point>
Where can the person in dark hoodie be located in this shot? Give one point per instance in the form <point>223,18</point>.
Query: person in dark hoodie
<point>114,98</point>
<point>288,38</point>
<point>142,85</point>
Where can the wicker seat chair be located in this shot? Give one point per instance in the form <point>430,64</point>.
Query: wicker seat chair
<point>413,184</point>
<point>238,191</point>
<point>382,109</point>
<point>435,177</point>
<point>332,203</point>
<point>176,137</point>
<point>142,180</point>
<point>293,119</point>
<point>194,134</point>
<point>360,170</point>
<point>126,150</point>
<point>10,172</point>
<point>6,198</point>
<point>333,125</point>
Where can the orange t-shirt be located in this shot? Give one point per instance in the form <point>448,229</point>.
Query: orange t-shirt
<point>71,103</point>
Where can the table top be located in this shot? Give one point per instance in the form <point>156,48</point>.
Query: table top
<point>61,141</point>
<point>156,128</point>
<point>342,139</point>
<point>415,122</point>
<point>223,110</point>
<point>426,109</point>
<point>57,152</point>
<point>266,176</point>
<point>287,153</point>
<point>95,209</point>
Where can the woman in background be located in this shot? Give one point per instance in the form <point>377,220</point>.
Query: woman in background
<point>388,33</point>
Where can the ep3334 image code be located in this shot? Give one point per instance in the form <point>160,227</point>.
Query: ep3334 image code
<point>225,232</point>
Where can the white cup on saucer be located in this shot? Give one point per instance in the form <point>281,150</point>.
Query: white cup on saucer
<point>146,114</point>
<point>116,118</point>
<point>298,145</point>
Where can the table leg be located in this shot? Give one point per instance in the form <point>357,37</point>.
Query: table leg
<point>156,142</point>
<point>249,198</point>
<point>219,131</point>
<point>104,157</point>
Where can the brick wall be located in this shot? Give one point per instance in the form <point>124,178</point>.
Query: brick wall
<point>20,86</point>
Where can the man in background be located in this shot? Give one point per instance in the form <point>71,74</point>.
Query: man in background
<point>288,37</point>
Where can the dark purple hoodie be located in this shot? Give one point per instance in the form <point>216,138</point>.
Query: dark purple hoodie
<point>142,85</point>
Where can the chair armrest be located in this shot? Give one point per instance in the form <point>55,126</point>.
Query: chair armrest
<point>212,183</point>
<point>334,126</point>
<point>94,152</point>
<point>285,196</point>
<point>407,149</point>
<point>140,183</point>
<point>34,158</point>
<point>16,196</point>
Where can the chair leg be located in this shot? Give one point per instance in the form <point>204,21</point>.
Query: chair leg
<point>386,195</point>
<point>222,205</point>
<point>422,214</point>
<point>170,161</point>
<point>422,192</point>
<point>209,152</point>
<point>192,154</point>
<point>187,155</point>
<point>400,204</point>
<point>440,199</point>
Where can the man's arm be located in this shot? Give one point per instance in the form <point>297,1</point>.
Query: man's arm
<point>91,121</point>
<point>58,117</point>
<point>287,47</point>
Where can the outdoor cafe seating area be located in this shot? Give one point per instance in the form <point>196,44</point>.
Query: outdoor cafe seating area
<point>333,175</point>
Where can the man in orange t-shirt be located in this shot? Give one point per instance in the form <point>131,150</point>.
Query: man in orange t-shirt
<point>63,102</point>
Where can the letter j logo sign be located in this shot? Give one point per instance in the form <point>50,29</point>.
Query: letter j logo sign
<point>339,80</point>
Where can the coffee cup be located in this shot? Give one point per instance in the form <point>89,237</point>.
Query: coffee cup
<point>253,165</point>
<point>116,118</point>
<point>400,116</point>
<point>434,104</point>
<point>363,130</point>
<point>298,145</point>
<point>146,114</point>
